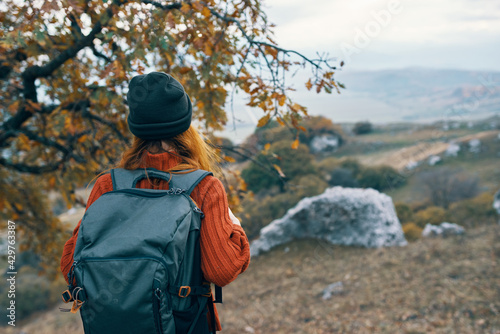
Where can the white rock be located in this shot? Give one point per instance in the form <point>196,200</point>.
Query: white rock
<point>496,202</point>
<point>324,143</point>
<point>475,145</point>
<point>333,289</point>
<point>434,159</point>
<point>411,165</point>
<point>444,229</point>
<point>452,150</point>
<point>342,216</point>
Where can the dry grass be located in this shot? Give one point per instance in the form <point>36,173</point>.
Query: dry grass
<point>431,286</point>
<point>399,158</point>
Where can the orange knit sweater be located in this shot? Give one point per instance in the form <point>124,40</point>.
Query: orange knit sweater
<point>225,251</point>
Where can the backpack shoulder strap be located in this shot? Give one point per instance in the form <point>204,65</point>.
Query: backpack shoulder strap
<point>189,180</point>
<point>124,178</point>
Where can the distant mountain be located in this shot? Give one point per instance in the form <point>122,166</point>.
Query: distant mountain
<point>386,96</point>
<point>419,94</point>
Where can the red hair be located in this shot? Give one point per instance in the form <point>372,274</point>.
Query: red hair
<point>189,146</point>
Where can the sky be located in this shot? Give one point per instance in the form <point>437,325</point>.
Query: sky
<point>382,34</point>
<point>379,35</point>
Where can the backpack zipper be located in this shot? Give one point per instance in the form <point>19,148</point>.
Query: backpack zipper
<point>157,306</point>
<point>142,193</point>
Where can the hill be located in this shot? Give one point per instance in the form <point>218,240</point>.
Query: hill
<point>430,286</point>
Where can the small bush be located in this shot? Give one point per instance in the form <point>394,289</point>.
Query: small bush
<point>446,185</point>
<point>412,231</point>
<point>343,177</point>
<point>292,162</point>
<point>404,213</point>
<point>361,128</point>
<point>380,178</point>
<point>353,165</point>
<point>432,215</point>
<point>474,212</point>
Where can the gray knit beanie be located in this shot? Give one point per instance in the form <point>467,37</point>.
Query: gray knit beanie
<point>159,107</point>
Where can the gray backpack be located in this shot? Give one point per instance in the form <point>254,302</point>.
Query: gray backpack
<point>137,260</point>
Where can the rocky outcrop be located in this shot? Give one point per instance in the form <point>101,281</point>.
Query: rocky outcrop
<point>444,229</point>
<point>325,143</point>
<point>343,216</point>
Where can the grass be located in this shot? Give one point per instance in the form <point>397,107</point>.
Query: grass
<point>433,285</point>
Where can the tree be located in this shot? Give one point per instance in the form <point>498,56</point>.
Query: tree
<point>286,163</point>
<point>64,69</point>
<point>361,128</point>
<point>446,185</point>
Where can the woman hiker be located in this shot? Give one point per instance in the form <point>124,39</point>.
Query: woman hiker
<point>160,119</point>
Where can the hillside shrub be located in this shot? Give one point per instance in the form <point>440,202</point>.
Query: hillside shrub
<point>446,185</point>
<point>361,128</point>
<point>353,165</point>
<point>380,178</point>
<point>412,231</point>
<point>474,212</point>
<point>404,212</point>
<point>343,177</point>
<point>327,166</point>
<point>432,215</point>
<point>292,162</point>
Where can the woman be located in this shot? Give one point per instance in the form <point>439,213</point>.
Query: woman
<point>164,139</point>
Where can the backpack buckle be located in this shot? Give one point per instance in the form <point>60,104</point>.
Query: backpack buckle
<point>66,296</point>
<point>209,293</point>
<point>184,291</point>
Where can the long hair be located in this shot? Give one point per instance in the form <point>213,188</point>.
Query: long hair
<point>193,151</point>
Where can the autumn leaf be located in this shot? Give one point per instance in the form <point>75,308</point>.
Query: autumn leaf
<point>267,147</point>
<point>229,159</point>
<point>280,172</point>
<point>309,84</point>
<point>263,121</point>
<point>295,144</point>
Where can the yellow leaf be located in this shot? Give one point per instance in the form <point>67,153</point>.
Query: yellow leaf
<point>13,107</point>
<point>280,172</point>
<point>295,107</point>
<point>52,181</point>
<point>18,206</point>
<point>295,144</point>
<point>267,146</point>
<point>200,104</point>
<point>185,8</point>
<point>280,120</point>
<point>206,12</point>
<point>229,159</point>
<point>282,100</point>
<point>263,121</point>
<point>309,85</point>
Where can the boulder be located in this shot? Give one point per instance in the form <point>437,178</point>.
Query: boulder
<point>496,202</point>
<point>444,229</point>
<point>475,145</point>
<point>342,216</point>
<point>324,143</point>
<point>452,150</point>
<point>336,288</point>
<point>433,160</point>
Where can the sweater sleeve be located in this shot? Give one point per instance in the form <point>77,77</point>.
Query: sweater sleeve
<point>224,246</point>
<point>69,247</point>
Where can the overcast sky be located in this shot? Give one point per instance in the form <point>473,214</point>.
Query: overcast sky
<point>380,34</point>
